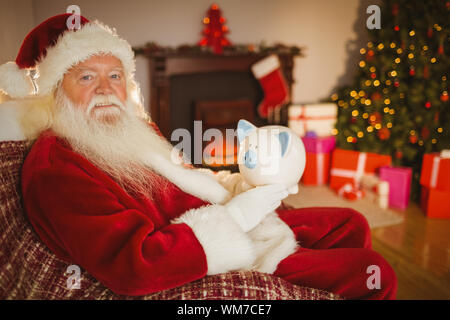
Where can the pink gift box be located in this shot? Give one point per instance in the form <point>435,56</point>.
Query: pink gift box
<point>319,144</point>
<point>399,179</point>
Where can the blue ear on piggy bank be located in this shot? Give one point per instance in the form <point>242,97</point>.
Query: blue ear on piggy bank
<point>270,154</point>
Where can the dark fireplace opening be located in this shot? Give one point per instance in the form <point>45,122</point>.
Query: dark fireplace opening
<point>219,100</point>
<point>186,90</point>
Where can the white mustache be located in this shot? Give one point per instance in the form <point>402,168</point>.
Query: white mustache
<point>104,100</point>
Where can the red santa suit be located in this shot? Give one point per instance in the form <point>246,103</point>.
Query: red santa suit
<point>127,243</point>
<point>130,244</point>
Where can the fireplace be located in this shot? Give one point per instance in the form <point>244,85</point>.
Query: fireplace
<point>216,89</point>
<point>222,115</point>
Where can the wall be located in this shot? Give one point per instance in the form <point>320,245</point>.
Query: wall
<point>16,19</point>
<point>330,30</point>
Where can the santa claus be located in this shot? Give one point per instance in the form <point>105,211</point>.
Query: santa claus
<point>102,190</point>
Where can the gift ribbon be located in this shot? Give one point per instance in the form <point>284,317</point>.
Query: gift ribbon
<point>355,174</point>
<point>320,168</point>
<point>445,154</point>
<point>380,187</point>
<point>320,162</point>
<point>350,189</point>
<point>302,116</point>
<point>435,171</point>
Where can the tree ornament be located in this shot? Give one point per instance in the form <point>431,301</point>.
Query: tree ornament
<point>426,72</point>
<point>430,32</point>
<point>394,9</point>
<point>412,72</point>
<point>384,133</point>
<point>436,117</point>
<point>425,133</point>
<point>441,49</point>
<point>444,96</point>
<point>375,96</point>
<point>413,139</point>
<point>375,118</point>
<point>428,104</point>
<point>398,154</point>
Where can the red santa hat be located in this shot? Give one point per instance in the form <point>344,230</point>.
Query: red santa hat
<point>52,48</point>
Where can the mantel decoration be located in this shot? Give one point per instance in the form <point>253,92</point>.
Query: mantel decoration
<point>215,30</point>
<point>214,42</point>
<point>152,48</point>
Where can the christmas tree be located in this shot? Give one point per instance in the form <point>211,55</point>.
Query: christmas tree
<point>398,103</point>
<point>215,30</point>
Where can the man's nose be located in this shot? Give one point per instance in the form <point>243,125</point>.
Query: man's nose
<point>104,87</point>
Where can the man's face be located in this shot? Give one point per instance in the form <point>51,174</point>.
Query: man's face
<point>100,75</point>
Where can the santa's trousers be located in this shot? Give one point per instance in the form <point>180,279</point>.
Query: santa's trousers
<point>336,254</point>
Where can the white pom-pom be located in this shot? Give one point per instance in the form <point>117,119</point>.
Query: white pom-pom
<point>14,81</point>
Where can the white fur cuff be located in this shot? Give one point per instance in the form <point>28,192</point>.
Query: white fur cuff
<point>226,246</point>
<point>274,241</point>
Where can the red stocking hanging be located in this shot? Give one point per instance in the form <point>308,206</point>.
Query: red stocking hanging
<point>271,79</point>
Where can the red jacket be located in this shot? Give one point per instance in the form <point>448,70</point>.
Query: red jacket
<point>87,219</point>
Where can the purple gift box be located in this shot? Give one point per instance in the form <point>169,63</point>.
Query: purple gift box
<point>314,144</point>
<point>399,179</point>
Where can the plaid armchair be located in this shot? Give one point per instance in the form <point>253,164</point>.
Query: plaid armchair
<point>29,270</point>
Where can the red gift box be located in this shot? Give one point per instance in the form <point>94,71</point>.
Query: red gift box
<point>435,203</point>
<point>349,166</point>
<point>318,155</point>
<point>435,172</point>
<point>317,169</point>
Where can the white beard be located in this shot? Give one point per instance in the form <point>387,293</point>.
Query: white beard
<point>116,139</point>
<point>121,143</point>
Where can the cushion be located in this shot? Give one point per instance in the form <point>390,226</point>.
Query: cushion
<point>10,128</point>
<point>29,270</point>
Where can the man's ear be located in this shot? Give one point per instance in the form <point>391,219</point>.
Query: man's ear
<point>244,128</point>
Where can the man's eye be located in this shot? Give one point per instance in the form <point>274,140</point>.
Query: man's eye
<point>86,77</point>
<point>115,76</point>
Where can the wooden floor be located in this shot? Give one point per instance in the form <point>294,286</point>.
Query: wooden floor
<point>419,251</point>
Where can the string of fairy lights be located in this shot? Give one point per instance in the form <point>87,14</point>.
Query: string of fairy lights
<point>388,79</point>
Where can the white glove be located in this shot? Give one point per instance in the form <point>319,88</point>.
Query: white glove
<point>250,207</point>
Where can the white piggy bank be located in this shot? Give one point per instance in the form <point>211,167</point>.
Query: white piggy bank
<point>270,154</point>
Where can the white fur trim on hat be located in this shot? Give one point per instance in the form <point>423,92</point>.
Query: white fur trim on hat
<point>226,246</point>
<point>265,66</point>
<point>15,81</point>
<point>76,46</point>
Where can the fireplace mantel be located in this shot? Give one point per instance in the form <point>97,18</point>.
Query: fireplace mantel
<point>165,65</point>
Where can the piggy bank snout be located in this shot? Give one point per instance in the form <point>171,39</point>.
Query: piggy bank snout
<point>250,159</point>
